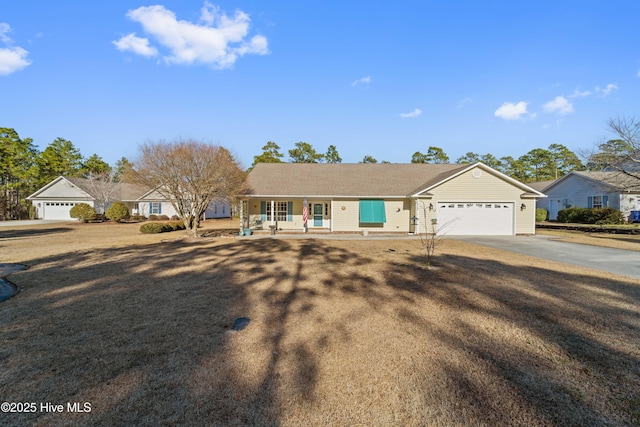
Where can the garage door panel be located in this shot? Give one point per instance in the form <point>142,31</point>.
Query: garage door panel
<point>57,210</point>
<point>475,218</point>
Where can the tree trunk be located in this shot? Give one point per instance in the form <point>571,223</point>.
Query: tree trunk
<point>191,225</point>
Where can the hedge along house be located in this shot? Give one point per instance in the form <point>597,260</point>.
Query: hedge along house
<point>55,200</point>
<point>601,189</point>
<point>404,198</point>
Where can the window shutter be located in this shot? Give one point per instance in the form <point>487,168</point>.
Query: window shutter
<point>289,211</point>
<point>159,208</point>
<point>263,211</point>
<point>590,202</point>
<point>605,201</point>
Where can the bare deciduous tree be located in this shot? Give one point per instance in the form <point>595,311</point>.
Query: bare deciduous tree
<point>190,174</point>
<point>628,129</point>
<point>623,153</point>
<point>433,232</point>
<point>102,186</point>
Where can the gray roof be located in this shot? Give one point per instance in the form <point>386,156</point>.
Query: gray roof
<point>123,191</point>
<point>540,185</point>
<point>346,179</point>
<point>620,180</point>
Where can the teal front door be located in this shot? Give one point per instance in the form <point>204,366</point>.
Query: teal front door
<point>317,215</point>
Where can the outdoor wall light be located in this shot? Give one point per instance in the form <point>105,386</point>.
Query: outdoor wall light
<point>430,206</point>
<point>523,207</point>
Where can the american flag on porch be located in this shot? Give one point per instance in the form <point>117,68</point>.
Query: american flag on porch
<point>305,212</point>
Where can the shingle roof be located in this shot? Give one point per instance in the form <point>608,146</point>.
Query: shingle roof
<point>619,180</point>
<point>122,191</point>
<point>346,179</point>
<point>540,185</point>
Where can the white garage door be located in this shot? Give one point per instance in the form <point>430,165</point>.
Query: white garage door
<point>489,219</point>
<point>57,210</point>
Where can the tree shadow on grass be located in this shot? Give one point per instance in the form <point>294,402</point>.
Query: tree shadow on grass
<point>143,333</point>
<point>564,346</point>
<point>34,232</point>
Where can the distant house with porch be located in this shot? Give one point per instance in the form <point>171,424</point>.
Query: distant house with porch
<point>55,200</point>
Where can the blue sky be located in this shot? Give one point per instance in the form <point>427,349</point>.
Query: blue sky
<point>375,78</point>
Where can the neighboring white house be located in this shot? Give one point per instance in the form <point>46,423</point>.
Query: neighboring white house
<point>55,200</point>
<point>610,189</point>
<point>404,198</point>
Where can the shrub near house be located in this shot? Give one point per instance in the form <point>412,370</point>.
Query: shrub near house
<point>83,212</point>
<point>591,216</point>
<point>117,212</point>
<point>541,214</point>
<point>161,227</point>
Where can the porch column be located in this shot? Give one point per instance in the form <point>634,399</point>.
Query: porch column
<point>241,215</point>
<point>417,215</point>
<point>331,219</point>
<point>273,208</point>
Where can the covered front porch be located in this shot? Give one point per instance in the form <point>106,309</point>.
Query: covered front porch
<point>287,215</point>
<point>325,214</point>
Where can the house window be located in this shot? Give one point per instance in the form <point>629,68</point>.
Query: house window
<point>155,208</point>
<point>597,201</point>
<point>281,211</point>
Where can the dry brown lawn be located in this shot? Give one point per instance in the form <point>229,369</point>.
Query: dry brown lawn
<point>342,332</point>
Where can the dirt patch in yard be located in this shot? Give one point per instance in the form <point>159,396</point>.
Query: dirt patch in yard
<point>341,333</point>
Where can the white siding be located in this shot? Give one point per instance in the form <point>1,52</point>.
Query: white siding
<point>574,191</point>
<point>628,203</point>
<point>488,188</point>
<point>63,189</point>
<point>166,209</point>
<point>218,209</point>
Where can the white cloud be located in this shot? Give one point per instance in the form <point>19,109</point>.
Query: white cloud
<point>4,28</point>
<point>12,59</point>
<point>219,41</point>
<point>607,90</point>
<point>414,113</point>
<point>559,105</point>
<point>208,13</point>
<point>138,45</point>
<point>511,111</point>
<point>579,94</point>
<point>364,80</point>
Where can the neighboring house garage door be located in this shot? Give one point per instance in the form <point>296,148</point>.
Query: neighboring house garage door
<point>489,219</point>
<point>57,210</point>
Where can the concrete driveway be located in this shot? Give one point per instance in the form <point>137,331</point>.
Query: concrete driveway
<point>616,261</point>
<point>32,222</point>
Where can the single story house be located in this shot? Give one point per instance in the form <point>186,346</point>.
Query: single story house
<point>454,199</point>
<point>55,200</point>
<point>604,189</point>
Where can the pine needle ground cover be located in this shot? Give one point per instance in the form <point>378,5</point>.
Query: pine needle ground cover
<point>341,332</point>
